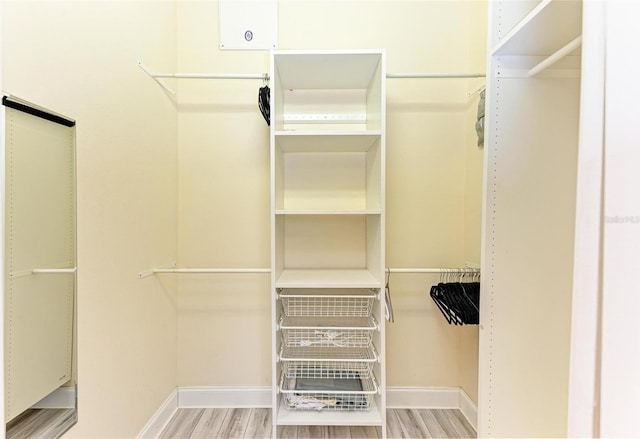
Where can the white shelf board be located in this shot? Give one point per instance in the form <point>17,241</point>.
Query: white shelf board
<point>327,70</point>
<point>328,212</point>
<point>336,278</point>
<point>327,141</point>
<point>287,416</point>
<point>548,27</point>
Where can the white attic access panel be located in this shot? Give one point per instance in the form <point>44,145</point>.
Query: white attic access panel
<point>248,24</point>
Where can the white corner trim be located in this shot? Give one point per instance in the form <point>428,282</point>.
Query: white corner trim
<point>469,409</point>
<point>204,397</point>
<point>61,398</point>
<point>423,397</point>
<point>161,418</point>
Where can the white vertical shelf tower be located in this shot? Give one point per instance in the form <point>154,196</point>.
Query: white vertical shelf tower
<point>328,226</point>
<point>531,163</point>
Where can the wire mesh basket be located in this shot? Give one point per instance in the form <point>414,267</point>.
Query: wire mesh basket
<point>349,303</point>
<point>328,386</point>
<point>352,332</point>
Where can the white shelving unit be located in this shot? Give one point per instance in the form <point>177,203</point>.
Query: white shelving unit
<point>531,144</point>
<point>327,191</point>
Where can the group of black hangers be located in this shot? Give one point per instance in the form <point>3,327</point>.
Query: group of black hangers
<point>458,301</point>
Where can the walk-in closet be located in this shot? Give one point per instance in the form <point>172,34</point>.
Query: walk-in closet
<point>283,219</point>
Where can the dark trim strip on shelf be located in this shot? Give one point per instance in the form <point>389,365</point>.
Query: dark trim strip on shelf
<point>37,112</point>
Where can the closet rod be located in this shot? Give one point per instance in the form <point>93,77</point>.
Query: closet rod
<point>556,56</point>
<point>480,89</point>
<point>433,270</point>
<point>53,270</point>
<point>152,271</point>
<point>264,76</point>
<point>435,75</point>
<point>211,270</point>
<point>155,76</point>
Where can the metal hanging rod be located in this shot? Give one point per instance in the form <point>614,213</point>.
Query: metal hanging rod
<point>265,76</point>
<point>211,270</point>
<point>29,272</point>
<point>54,270</point>
<point>556,56</point>
<point>153,271</point>
<point>156,76</point>
<point>433,270</point>
<point>480,89</point>
<point>434,75</point>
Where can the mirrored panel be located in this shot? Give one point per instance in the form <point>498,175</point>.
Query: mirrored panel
<point>39,285</point>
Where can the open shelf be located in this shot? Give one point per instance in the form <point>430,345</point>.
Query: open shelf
<point>328,91</point>
<point>326,141</point>
<point>326,70</point>
<point>548,27</point>
<point>320,249</point>
<point>325,173</point>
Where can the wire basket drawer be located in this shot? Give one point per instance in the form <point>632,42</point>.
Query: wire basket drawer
<point>328,386</point>
<point>355,332</point>
<point>341,303</point>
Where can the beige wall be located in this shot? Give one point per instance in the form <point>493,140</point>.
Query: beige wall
<point>223,335</point>
<point>80,59</point>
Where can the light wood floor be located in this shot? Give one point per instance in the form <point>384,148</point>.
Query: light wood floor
<point>41,424</point>
<point>256,424</point>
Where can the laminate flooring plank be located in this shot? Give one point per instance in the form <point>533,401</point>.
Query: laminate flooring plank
<point>288,432</point>
<point>464,424</point>
<point>450,424</point>
<point>412,425</point>
<point>234,423</point>
<point>363,432</point>
<point>313,432</point>
<point>27,424</point>
<point>209,424</point>
<point>339,432</point>
<point>182,424</point>
<point>58,422</point>
<point>41,423</point>
<point>393,425</point>
<point>433,425</point>
<point>259,424</point>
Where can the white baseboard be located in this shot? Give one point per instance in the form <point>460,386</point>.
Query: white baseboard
<point>61,398</point>
<point>161,418</point>
<point>469,409</point>
<point>397,397</point>
<point>423,397</point>
<point>224,397</point>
